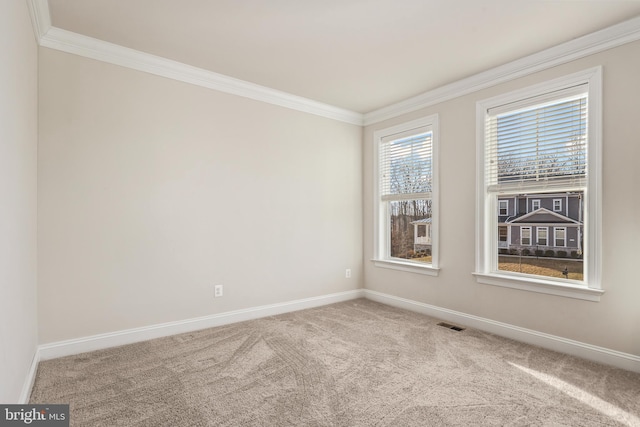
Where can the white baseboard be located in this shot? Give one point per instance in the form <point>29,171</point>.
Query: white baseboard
<point>594,353</point>
<point>129,336</point>
<point>96,342</point>
<point>31,378</point>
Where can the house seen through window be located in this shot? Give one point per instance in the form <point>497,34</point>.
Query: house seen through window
<point>532,147</point>
<point>538,160</point>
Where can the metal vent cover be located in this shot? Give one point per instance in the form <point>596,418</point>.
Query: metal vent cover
<point>449,326</point>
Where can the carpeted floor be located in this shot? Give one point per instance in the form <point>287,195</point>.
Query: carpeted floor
<point>357,363</point>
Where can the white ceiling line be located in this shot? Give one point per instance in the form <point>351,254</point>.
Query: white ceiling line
<point>78,44</point>
<point>40,17</point>
<point>89,47</point>
<point>616,35</point>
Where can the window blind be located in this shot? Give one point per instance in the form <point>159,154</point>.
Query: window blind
<point>540,146</point>
<point>406,168</point>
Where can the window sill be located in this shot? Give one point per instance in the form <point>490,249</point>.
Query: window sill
<point>409,266</point>
<point>540,286</point>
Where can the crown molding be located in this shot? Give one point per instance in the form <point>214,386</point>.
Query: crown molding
<point>66,41</point>
<point>40,17</point>
<point>616,35</point>
<point>70,42</point>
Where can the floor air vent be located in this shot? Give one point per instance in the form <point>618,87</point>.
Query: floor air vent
<point>446,325</point>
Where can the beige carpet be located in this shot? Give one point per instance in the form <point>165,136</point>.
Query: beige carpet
<point>357,363</point>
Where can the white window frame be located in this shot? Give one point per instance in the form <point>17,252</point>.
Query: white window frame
<point>559,201</point>
<point>506,208</point>
<point>486,271</point>
<point>522,238</point>
<point>538,230</point>
<point>555,236</point>
<point>535,205</point>
<point>506,228</point>
<point>381,236</point>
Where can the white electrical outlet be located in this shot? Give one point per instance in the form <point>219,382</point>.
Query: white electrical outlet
<point>347,273</point>
<point>217,291</point>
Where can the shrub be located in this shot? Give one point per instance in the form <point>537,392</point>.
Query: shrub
<point>549,252</point>
<point>539,252</point>
<point>561,254</point>
<point>513,251</point>
<point>526,252</point>
<point>502,251</point>
<point>575,254</point>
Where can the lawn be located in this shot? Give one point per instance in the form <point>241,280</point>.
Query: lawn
<point>550,267</point>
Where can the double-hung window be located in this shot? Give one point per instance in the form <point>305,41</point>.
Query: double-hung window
<point>560,236</point>
<point>535,204</point>
<point>542,235</point>
<point>533,145</point>
<point>503,207</point>
<point>406,202</point>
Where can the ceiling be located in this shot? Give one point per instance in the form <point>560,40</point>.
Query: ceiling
<point>360,55</point>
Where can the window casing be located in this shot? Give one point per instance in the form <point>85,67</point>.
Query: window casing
<point>560,236</point>
<point>535,205</point>
<point>536,142</point>
<point>503,207</point>
<point>503,235</point>
<point>525,236</point>
<point>406,196</point>
<point>542,236</point>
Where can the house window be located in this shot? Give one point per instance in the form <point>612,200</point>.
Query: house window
<point>406,211</point>
<point>503,207</point>
<point>560,236</point>
<point>503,234</point>
<point>538,142</point>
<point>557,205</point>
<point>542,233</point>
<point>525,236</point>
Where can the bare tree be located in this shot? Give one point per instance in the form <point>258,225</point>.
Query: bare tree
<point>569,161</point>
<point>409,177</point>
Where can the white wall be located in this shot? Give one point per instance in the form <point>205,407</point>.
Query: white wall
<point>18,208</point>
<point>151,191</point>
<point>614,322</point>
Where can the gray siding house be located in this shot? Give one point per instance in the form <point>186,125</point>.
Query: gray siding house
<point>541,221</point>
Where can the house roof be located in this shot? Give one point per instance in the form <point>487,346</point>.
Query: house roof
<point>541,216</point>
<point>422,221</point>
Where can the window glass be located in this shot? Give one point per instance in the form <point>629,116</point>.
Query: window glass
<point>557,205</point>
<point>503,207</point>
<point>542,236</point>
<point>406,218</point>
<point>535,205</point>
<point>540,148</point>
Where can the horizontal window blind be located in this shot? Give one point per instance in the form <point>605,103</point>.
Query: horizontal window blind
<point>543,146</point>
<point>406,167</point>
